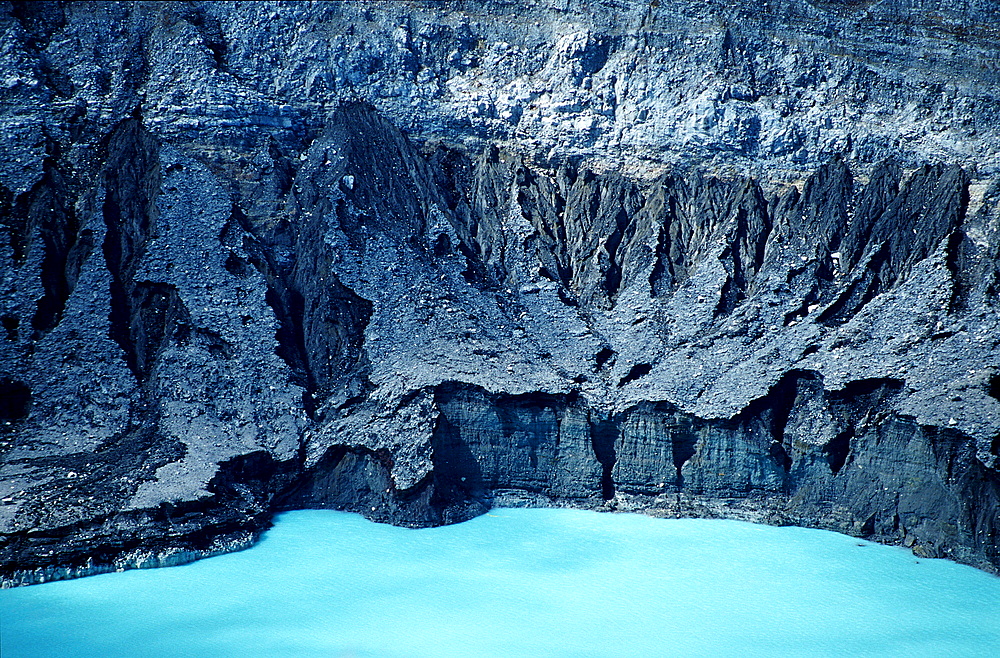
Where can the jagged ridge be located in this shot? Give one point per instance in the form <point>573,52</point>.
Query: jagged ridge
<point>299,305</point>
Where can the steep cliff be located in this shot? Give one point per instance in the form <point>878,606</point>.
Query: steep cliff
<point>414,259</point>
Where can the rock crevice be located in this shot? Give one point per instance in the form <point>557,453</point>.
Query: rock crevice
<point>416,262</point>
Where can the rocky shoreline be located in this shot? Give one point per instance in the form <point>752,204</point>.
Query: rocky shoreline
<point>416,259</point>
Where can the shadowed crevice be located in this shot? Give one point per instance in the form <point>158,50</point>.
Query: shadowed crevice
<point>603,435</point>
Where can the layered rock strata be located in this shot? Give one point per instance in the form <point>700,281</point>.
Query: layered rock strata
<point>417,259</point>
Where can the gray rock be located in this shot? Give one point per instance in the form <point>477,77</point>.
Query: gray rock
<point>414,260</point>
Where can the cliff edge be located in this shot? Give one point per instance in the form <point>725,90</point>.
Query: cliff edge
<point>415,259</point>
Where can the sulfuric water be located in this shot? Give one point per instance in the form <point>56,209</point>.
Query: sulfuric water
<point>525,583</point>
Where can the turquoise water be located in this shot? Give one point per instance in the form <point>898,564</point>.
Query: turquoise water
<point>526,583</point>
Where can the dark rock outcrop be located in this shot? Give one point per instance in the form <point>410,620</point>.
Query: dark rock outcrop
<point>415,260</point>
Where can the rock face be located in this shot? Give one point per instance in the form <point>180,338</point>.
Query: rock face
<point>414,259</point>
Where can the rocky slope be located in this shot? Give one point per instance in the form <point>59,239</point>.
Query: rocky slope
<point>415,259</point>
